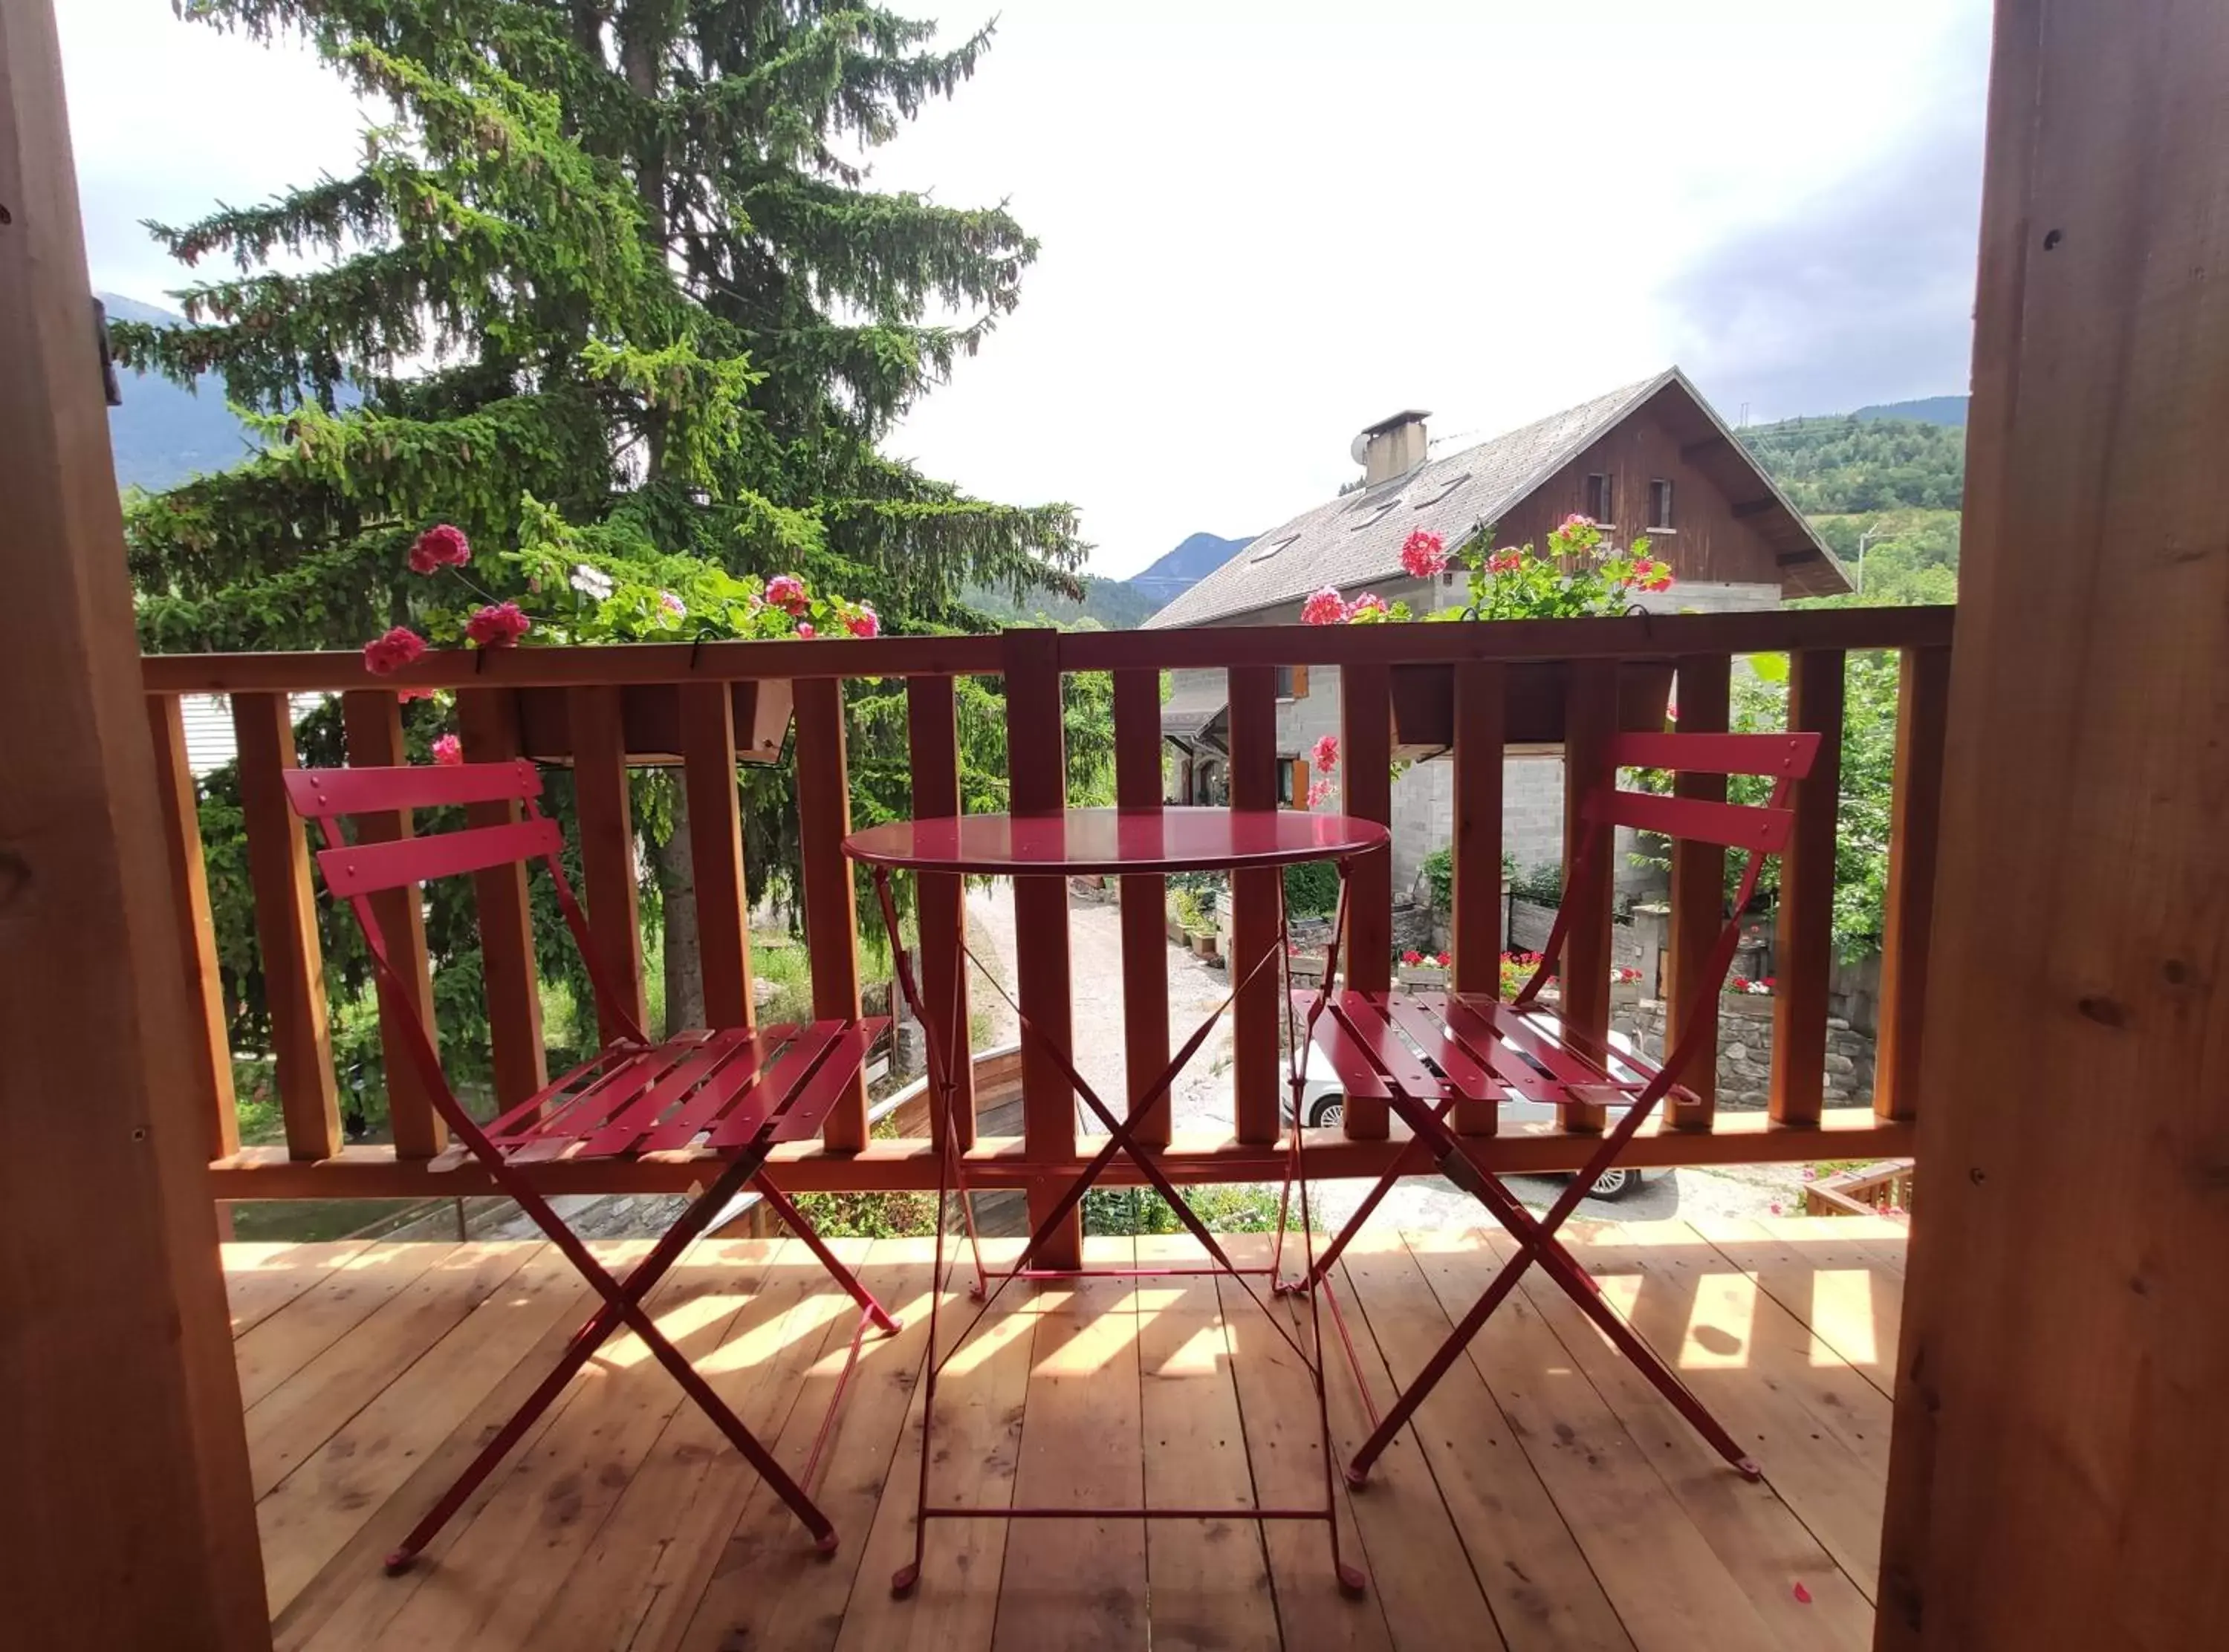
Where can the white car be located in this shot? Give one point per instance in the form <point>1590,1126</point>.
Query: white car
<point>1324,1105</point>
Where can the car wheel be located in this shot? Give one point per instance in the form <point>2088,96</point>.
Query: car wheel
<point>1329,1114</point>
<point>1615,1184</point>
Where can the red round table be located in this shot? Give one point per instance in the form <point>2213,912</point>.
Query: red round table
<point>1115,842</point>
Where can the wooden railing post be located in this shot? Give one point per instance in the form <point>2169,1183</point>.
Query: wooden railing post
<point>1480,723</point>
<point>1590,722</point>
<point>1803,955</point>
<point>1144,910</point>
<point>716,852</point>
<point>1923,712</point>
<point>371,720</point>
<point>1365,711</point>
<point>1698,902</point>
<point>599,796</point>
<point>488,720</point>
<point>940,900</point>
<point>832,915</point>
<point>1037,766</point>
<point>205,1084</point>
<point>1256,1074</point>
<point>287,926</point>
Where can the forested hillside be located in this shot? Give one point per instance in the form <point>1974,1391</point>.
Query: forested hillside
<point>1883,493</point>
<point>1116,603</point>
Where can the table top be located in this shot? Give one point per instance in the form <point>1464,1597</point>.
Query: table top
<point>1113,842</point>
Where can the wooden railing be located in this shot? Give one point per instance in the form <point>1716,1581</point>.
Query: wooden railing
<point>1588,655</point>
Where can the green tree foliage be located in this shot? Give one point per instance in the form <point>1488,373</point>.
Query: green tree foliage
<point>610,276</point>
<point>1835,466</point>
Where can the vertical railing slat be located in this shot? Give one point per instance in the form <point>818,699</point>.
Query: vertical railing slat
<point>1256,1074</point>
<point>1480,723</point>
<point>1591,719</point>
<point>488,721</point>
<point>1037,778</point>
<point>1803,953</point>
<point>1145,912</point>
<point>1698,902</point>
<point>940,899</point>
<point>287,926</point>
<point>207,1076</point>
<point>832,918</point>
<point>607,862</point>
<point>1366,712</point>
<point>1922,710</point>
<point>715,852</point>
<point>371,720</point>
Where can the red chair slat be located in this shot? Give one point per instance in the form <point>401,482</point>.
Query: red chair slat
<point>1468,1019</point>
<point>800,1060</point>
<point>1365,1015</point>
<point>1781,756</point>
<point>1431,1035</point>
<point>1734,826</point>
<point>578,1078</point>
<point>711,1053</point>
<point>810,1107</point>
<point>325,793</point>
<point>589,1112</point>
<point>753,1062</point>
<point>1357,1077</point>
<point>364,868</point>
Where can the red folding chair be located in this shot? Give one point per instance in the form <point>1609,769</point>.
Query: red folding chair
<point>1423,1052</point>
<point>728,1096</point>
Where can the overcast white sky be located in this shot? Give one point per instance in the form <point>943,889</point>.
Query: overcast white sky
<point>1267,223</point>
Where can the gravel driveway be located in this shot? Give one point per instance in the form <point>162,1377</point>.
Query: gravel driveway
<point>1204,1096</point>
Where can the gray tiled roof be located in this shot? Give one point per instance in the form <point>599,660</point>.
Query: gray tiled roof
<point>1357,537</point>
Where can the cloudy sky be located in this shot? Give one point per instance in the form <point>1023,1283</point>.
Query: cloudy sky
<point>1268,223</point>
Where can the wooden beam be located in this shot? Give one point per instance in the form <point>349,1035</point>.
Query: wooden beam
<point>1145,904</point>
<point>1717,442</point>
<point>2060,1443</point>
<point>607,863</point>
<point>1923,711</point>
<point>132,1516</point>
<point>1803,948</point>
<point>1479,719</point>
<point>832,913</point>
<point>1698,904</point>
<point>1591,719</point>
<point>940,899</point>
<point>907,1164</point>
<point>1747,508</point>
<point>487,719</point>
<point>208,1053</point>
<point>1257,1073</point>
<point>1365,766</point>
<point>372,722</point>
<point>715,852</point>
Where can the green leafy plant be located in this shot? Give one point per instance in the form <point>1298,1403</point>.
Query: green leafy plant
<point>1311,889</point>
<point>1123,1212</point>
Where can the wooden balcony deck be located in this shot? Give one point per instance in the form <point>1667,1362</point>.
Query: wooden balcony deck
<point>1547,1498</point>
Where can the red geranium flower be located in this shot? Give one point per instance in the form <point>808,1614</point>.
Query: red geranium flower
<point>865,622</point>
<point>1325,607</point>
<point>384,656</point>
<point>1423,554</point>
<point>786,593</point>
<point>441,547</point>
<point>448,750</point>
<point>1412,957</point>
<point>499,625</point>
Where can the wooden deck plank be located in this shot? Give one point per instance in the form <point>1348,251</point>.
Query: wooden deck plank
<point>312,1514</point>
<point>1836,1284</point>
<point>1820,1430</point>
<point>979,1433</point>
<point>752,1591</point>
<point>320,1316</point>
<point>1536,1577</point>
<point>1209,1579</point>
<point>1659,1573</point>
<point>288,1425</point>
<point>1079,1582</point>
<point>499,1571</point>
<point>1755,1536</point>
<point>1277,1403</point>
<point>260,1278</point>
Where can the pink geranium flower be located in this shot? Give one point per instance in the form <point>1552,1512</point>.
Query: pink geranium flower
<point>406,695</point>
<point>1423,554</point>
<point>1326,607</point>
<point>1368,606</point>
<point>1319,791</point>
<point>448,750</point>
<point>1442,960</point>
<point>786,593</point>
<point>865,622</point>
<point>384,656</point>
<point>1325,754</point>
<point>500,624</point>
<point>1574,522</point>
<point>1413,956</point>
<point>441,547</point>
<point>806,630</point>
<point>1507,560</point>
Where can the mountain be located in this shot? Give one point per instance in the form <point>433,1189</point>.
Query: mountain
<point>1114,604</point>
<point>1186,565</point>
<point>165,432</point>
<point>1928,410</point>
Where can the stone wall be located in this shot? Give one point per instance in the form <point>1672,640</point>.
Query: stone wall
<point>1745,1050</point>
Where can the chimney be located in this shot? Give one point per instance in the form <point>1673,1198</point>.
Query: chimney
<point>1392,447</point>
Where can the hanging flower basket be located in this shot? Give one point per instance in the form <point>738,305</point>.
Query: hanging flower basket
<point>1533,704</point>
<point>650,716</point>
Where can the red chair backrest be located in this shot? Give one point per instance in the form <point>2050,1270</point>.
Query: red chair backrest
<point>327,794</point>
<point>1761,829</point>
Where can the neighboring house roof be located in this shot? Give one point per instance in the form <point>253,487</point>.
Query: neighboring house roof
<point>1357,537</point>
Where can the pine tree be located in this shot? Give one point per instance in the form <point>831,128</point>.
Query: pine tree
<point>613,279</point>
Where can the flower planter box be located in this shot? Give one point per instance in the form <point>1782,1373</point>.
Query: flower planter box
<point>651,715</point>
<point>1419,975</point>
<point>1203,945</point>
<point>1424,704</point>
<point>1304,970</point>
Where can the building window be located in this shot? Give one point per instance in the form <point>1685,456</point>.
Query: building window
<point>1291,682</point>
<point>1659,505</point>
<point>1602,504</point>
<point>1291,783</point>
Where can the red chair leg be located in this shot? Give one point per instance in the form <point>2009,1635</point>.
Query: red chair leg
<point>793,1219</point>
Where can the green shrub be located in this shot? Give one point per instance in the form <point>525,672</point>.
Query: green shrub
<point>1543,885</point>
<point>1125,1212</point>
<point>1311,889</point>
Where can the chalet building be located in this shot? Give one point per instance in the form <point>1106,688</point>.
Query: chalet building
<point>1651,458</point>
